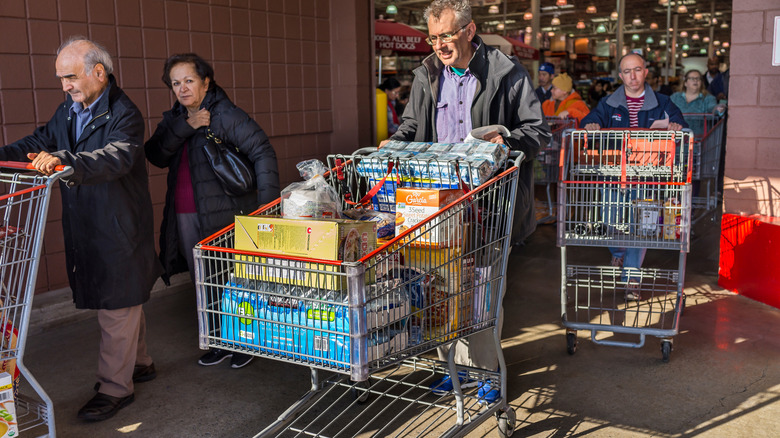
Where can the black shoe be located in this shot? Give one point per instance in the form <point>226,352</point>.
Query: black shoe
<point>143,373</point>
<point>214,356</point>
<point>240,360</point>
<point>103,406</point>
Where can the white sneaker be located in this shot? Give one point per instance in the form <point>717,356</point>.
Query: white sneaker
<point>632,291</point>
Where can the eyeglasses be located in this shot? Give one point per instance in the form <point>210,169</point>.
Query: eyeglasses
<point>444,37</point>
<point>694,79</point>
<point>628,71</point>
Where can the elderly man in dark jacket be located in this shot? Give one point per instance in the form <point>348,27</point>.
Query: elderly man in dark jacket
<point>466,85</point>
<point>106,214</point>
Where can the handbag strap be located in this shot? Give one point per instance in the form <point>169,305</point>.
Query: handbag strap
<point>211,136</point>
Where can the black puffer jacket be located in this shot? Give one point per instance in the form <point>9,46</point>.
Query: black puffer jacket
<point>215,208</point>
<point>106,209</point>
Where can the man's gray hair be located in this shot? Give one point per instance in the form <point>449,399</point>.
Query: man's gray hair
<point>461,8</point>
<point>96,54</point>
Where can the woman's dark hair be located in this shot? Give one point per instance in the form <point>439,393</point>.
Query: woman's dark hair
<point>202,68</point>
<point>390,84</point>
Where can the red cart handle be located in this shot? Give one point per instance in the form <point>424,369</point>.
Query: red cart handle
<point>26,166</point>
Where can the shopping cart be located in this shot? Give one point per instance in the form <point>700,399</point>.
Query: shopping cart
<point>623,189</point>
<point>23,210</point>
<point>369,321</point>
<point>707,144</point>
<point>546,164</point>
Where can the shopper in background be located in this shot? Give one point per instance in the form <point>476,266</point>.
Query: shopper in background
<point>565,102</point>
<point>465,85</point>
<point>596,92</point>
<point>713,70</point>
<point>106,214</point>
<point>720,86</point>
<point>546,72</point>
<point>391,87</point>
<point>633,105</point>
<point>656,83</point>
<point>693,99</point>
<point>196,205</point>
<point>403,99</point>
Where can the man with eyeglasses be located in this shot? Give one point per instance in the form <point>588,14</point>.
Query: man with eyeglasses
<point>465,85</point>
<point>633,105</point>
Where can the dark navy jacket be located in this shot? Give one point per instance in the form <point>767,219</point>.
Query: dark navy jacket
<point>612,111</point>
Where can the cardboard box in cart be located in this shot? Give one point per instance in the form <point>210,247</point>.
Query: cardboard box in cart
<point>415,205</point>
<point>8,422</point>
<point>325,239</point>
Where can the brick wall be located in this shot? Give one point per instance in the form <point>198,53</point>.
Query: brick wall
<point>301,68</point>
<point>752,167</point>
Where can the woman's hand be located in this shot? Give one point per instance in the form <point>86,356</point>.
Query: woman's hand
<point>200,118</point>
<point>563,114</point>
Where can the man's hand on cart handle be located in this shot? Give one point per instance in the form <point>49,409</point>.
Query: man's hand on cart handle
<point>592,127</point>
<point>383,143</point>
<point>44,162</point>
<point>675,126</point>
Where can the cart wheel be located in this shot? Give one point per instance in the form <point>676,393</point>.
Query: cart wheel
<point>571,342</point>
<point>361,395</point>
<point>506,422</point>
<point>666,348</point>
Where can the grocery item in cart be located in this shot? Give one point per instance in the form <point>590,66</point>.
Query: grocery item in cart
<point>9,426</point>
<point>648,218</point>
<point>326,239</point>
<point>672,219</point>
<point>385,222</point>
<point>415,205</point>
<point>312,198</point>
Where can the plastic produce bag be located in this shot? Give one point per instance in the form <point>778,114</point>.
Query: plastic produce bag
<point>312,198</point>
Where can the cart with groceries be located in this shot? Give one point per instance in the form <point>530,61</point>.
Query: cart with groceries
<point>546,164</point>
<point>24,206</point>
<point>623,189</point>
<point>362,271</point>
<point>707,147</point>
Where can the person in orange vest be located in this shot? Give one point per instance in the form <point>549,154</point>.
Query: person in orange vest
<point>565,101</point>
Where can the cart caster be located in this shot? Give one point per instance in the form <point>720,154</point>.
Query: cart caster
<point>361,395</point>
<point>666,349</point>
<point>506,422</point>
<point>571,342</point>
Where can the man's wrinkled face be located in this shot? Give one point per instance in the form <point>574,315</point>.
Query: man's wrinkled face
<point>633,74</point>
<point>81,86</point>
<point>456,53</point>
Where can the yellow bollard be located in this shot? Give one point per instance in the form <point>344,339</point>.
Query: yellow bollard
<point>381,116</point>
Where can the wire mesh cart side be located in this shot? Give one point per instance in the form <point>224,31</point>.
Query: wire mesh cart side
<point>627,190</point>
<point>546,162</point>
<point>707,152</point>
<point>23,208</point>
<point>367,321</point>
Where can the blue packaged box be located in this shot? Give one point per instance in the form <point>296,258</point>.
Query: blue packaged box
<point>244,328</point>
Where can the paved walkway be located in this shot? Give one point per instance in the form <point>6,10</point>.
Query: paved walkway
<point>723,378</point>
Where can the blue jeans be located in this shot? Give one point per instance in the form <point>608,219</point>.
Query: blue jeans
<point>616,212</point>
<point>632,261</point>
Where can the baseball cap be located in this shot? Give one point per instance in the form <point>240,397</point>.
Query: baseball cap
<point>548,67</point>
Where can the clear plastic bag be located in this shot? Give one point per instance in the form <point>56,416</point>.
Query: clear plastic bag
<point>313,198</point>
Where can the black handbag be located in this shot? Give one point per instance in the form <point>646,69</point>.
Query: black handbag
<point>233,169</point>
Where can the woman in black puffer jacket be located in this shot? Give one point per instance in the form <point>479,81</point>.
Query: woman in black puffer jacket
<point>196,204</point>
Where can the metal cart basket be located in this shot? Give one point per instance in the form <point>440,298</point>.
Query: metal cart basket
<point>707,144</point>
<point>546,165</point>
<point>624,189</point>
<point>367,321</point>
<point>23,209</point>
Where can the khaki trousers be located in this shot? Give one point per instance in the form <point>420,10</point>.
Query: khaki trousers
<point>122,347</point>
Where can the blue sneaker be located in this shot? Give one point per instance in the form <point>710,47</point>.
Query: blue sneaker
<point>443,386</point>
<point>488,393</point>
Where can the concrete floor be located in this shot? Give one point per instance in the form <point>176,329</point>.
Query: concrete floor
<point>723,378</point>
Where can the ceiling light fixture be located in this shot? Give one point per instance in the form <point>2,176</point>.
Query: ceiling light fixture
<point>555,21</point>
<point>500,26</point>
<point>591,9</point>
<point>726,44</point>
<point>695,37</point>
<point>683,34</point>
<point>613,15</point>
<point>528,16</point>
<point>698,16</point>
<point>580,25</point>
<point>682,9</point>
<point>653,25</point>
<point>391,9</point>
<point>601,28</point>
<point>650,40</point>
<point>493,9</point>
<point>561,2</point>
<point>635,37</point>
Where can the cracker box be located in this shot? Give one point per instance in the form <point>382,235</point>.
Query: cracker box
<point>415,205</point>
<point>325,239</point>
<point>8,422</point>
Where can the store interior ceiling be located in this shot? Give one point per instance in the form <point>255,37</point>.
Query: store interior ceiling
<point>645,22</point>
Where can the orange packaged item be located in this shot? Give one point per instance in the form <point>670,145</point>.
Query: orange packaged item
<point>415,205</point>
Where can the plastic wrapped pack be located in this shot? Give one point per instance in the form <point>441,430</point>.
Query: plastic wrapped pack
<point>313,198</point>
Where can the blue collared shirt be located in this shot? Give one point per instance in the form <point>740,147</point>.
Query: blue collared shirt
<point>84,115</point>
<point>453,108</point>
